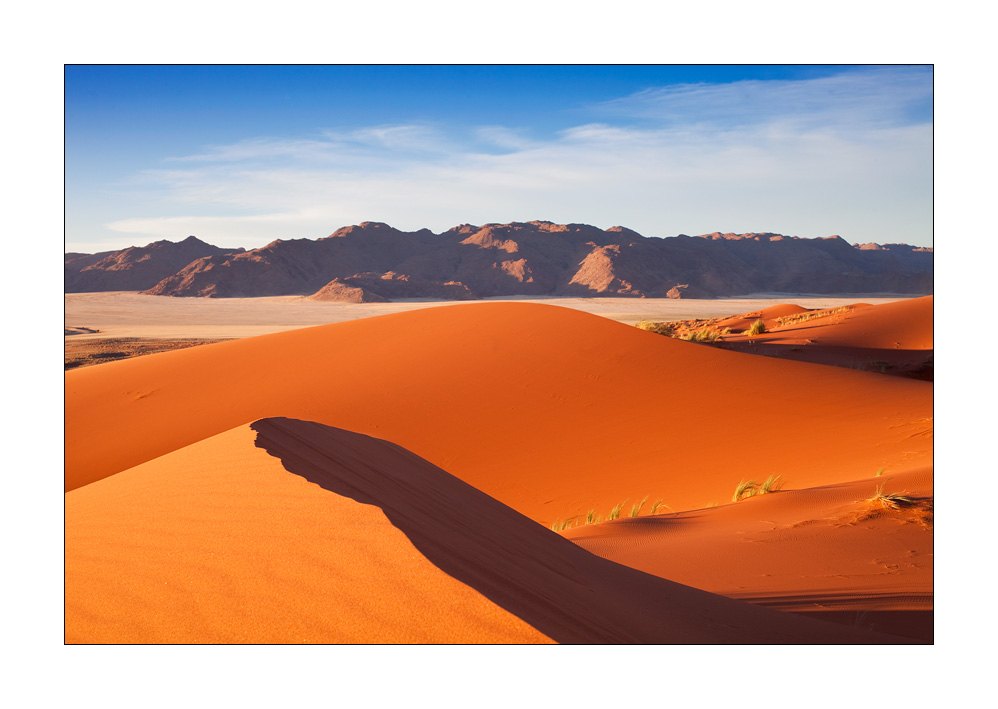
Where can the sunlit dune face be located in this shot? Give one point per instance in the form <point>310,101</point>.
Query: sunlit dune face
<point>512,398</point>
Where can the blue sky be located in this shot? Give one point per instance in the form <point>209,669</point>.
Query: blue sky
<point>239,156</point>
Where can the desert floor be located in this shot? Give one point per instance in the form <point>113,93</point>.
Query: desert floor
<point>129,314</point>
<point>501,472</point>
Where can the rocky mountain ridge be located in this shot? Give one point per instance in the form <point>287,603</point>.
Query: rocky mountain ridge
<point>373,262</point>
<point>135,268</point>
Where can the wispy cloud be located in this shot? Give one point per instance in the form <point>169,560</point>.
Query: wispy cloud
<point>848,154</point>
<point>854,100</point>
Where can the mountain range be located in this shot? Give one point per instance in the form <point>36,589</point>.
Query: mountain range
<point>373,262</point>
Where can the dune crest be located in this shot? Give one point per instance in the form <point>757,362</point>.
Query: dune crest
<point>515,399</point>
<point>891,338</point>
<point>252,536</point>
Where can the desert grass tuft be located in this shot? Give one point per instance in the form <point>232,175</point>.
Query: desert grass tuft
<point>656,505</point>
<point>771,484</point>
<point>659,328</point>
<point>879,473</point>
<point>636,508</point>
<point>592,517</point>
<point>563,524</point>
<point>615,512</point>
<point>746,488</point>
<point>756,328</point>
<point>890,500</point>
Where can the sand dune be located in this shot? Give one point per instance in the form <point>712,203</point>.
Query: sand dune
<point>291,531</point>
<point>824,550</point>
<point>893,338</point>
<point>549,410</point>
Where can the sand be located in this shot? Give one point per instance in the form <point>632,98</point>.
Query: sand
<point>292,532</point>
<point>547,392</point>
<point>824,550</point>
<point>231,492</point>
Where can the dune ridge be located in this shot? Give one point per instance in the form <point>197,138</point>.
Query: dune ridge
<point>488,392</point>
<point>252,536</point>
<point>825,548</point>
<point>890,338</point>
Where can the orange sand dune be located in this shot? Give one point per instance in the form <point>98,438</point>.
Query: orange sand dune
<point>820,549</point>
<point>894,338</point>
<point>906,325</point>
<point>290,531</point>
<point>549,410</point>
<point>767,315</point>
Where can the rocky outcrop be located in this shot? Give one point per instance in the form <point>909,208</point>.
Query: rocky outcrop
<point>340,292</point>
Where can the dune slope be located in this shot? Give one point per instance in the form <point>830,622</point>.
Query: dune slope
<point>825,549</point>
<point>548,410</point>
<point>292,531</point>
<point>892,338</point>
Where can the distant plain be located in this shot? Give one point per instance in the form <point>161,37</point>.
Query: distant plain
<point>132,314</point>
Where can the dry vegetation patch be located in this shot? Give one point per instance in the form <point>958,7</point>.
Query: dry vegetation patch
<point>592,517</point>
<point>906,509</point>
<point>806,316</point>
<point>91,351</point>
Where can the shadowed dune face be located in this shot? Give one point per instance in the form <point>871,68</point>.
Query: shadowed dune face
<point>364,542</point>
<point>515,399</point>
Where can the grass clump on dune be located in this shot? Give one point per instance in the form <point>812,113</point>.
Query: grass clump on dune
<point>756,328</point>
<point>564,524</point>
<point>702,335</point>
<point>771,484</point>
<point>746,488</point>
<point>615,512</point>
<point>659,328</point>
<point>890,500</point>
<point>750,488</point>
<point>636,508</point>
